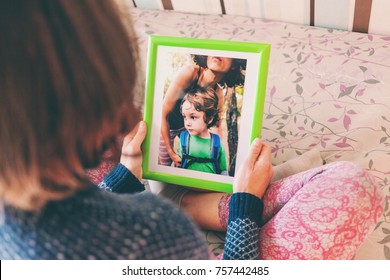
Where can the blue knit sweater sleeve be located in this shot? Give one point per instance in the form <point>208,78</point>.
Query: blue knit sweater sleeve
<point>242,237</point>
<point>121,180</point>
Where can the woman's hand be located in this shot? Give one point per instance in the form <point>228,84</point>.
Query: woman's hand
<point>255,173</point>
<point>131,156</point>
<point>175,158</point>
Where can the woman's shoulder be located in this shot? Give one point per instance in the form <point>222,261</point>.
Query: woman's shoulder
<point>94,224</point>
<point>137,219</point>
<point>141,204</point>
<point>191,71</point>
<point>192,68</point>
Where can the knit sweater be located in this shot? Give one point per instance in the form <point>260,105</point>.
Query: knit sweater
<point>96,224</point>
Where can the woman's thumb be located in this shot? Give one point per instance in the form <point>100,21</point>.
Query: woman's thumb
<point>140,135</point>
<point>255,150</point>
<point>136,136</point>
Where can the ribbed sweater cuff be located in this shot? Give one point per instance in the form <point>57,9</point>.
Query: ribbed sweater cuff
<point>245,205</point>
<point>121,180</point>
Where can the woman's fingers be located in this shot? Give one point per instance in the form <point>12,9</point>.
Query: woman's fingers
<point>131,156</point>
<point>256,171</point>
<point>140,134</point>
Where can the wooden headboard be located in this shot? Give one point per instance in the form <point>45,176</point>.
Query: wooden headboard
<point>367,16</point>
<point>361,15</point>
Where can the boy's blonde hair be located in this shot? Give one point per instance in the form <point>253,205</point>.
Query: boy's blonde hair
<point>204,100</point>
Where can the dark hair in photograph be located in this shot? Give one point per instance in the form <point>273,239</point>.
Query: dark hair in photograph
<point>234,77</point>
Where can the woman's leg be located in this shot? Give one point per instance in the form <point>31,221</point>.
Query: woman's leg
<point>208,210</point>
<point>324,213</point>
<point>203,208</point>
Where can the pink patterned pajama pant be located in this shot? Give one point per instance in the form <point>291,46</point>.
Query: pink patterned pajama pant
<point>322,213</point>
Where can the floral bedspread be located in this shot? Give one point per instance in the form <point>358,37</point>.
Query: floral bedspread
<point>327,89</point>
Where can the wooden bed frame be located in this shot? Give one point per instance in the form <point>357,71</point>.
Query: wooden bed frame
<point>361,19</point>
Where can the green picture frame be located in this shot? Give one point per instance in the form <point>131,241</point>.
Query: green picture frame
<point>163,54</point>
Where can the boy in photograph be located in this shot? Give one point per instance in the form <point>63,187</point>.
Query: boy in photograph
<point>200,149</point>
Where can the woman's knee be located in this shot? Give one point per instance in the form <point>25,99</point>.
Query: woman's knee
<point>361,181</point>
<point>340,166</point>
<point>349,171</point>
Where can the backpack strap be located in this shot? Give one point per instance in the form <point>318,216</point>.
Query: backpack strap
<point>215,145</point>
<point>187,160</point>
<point>185,147</point>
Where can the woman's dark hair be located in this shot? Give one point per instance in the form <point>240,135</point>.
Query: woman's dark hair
<point>204,100</point>
<point>67,72</point>
<point>234,77</point>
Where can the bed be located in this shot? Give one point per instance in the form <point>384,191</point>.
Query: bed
<point>327,89</point>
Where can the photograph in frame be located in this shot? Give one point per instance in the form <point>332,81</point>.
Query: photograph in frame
<point>203,107</point>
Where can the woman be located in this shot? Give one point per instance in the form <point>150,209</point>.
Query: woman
<point>67,76</point>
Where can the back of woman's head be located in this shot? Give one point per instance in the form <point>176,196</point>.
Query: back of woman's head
<point>67,73</point>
